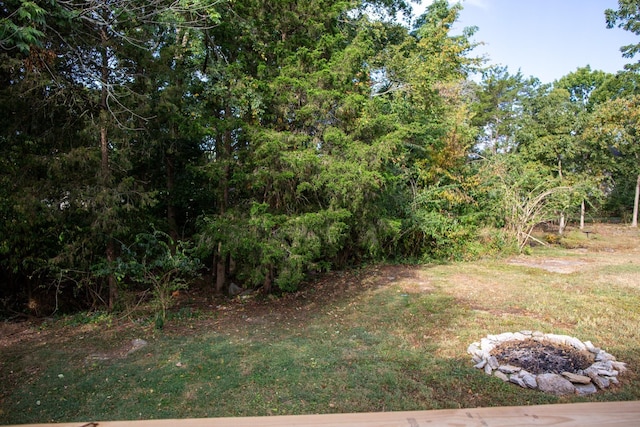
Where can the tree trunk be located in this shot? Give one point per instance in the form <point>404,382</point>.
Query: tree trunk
<point>220,269</point>
<point>561,224</point>
<point>104,148</point>
<point>224,155</point>
<point>113,284</point>
<point>105,169</point>
<point>171,209</point>
<point>582,209</point>
<point>268,280</point>
<point>560,169</point>
<point>634,221</point>
<point>104,111</point>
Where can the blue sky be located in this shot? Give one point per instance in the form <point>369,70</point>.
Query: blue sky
<point>546,38</point>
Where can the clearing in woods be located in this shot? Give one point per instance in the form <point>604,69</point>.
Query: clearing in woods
<point>380,338</point>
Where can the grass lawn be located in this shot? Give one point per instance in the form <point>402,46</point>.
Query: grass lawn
<point>382,338</point>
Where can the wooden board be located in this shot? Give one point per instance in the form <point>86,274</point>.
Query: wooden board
<point>576,414</point>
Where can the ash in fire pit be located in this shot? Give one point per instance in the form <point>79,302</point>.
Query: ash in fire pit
<point>538,357</point>
<point>557,364</point>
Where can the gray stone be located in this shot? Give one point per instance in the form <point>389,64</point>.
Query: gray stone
<point>486,344</point>
<point>473,347</point>
<point>584,389</point>
<point>606,365</point>
<point>517,380</point>
<point>501,375</point>
<point>590,347</point>
<point>529,380</point>
<point>487,369</point>
<point>601,382</point>
<point>136,345</point>
<point>576,379</point>
<point>576,343</point>
<point>520,336</point>
<point>509,369</point>
<point>558,339</point>
<point>621,367</point>
<point>604,356</point>
<point>493,362</point>
<point>553,383</point>
<point>613,380</point>
<point>234,289</point>
<point>480,364</point>
<point>591,372</point>
<point>507,336</point>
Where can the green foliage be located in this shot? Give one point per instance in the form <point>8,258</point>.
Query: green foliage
<point>582,84</point>
<point>442,223</point>
<point>21,25</point>
<point>521,195</point>
<point>613,129</point>
<point>278,248</point>
<point>626,17</point>
<point>498,100</point>
<point>286,137</point>
<point>158,263</point>
<point>620,85</point>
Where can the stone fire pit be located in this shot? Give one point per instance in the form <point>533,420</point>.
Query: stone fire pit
<point>557,364</point>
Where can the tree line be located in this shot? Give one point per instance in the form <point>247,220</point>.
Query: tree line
<point>143,143</point>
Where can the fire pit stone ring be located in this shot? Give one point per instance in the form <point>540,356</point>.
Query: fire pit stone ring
<point>558,364</point>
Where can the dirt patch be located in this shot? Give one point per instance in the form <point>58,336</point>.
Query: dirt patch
<point>409,280</point>
<point>216,312</point>
<point>552,265</point>
<point>316,296</point>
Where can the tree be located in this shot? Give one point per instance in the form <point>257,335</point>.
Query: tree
<point>586,88</point>
<point>107,52</point>
<point>619,85</point>
<point>301,135</point>
<point>81,90</point>
<point>547,134</point>
<point>581,84</point>
<point>424,85</point>
<point>522,194</point>
<point>626,17</point>
<point>337,121</point>
<point>288,108</point>
<point>38,116</point>
<point>614,128</point>
<point>497,109</point>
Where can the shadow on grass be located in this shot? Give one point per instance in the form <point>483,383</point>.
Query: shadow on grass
<point>359,343</point>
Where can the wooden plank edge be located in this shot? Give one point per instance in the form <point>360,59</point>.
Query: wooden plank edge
<point>565,415</point>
